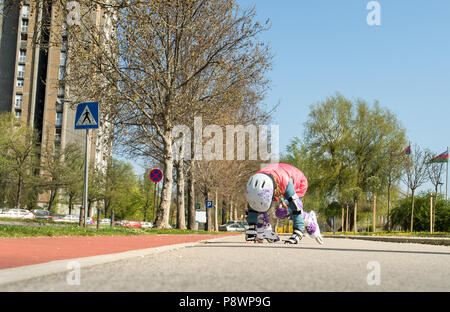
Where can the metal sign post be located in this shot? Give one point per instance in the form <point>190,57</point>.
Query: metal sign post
<point>86,177</point>
<point>155,175</point>
<point>86,117</point>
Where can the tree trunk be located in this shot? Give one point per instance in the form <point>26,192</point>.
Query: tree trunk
<point>107,203</point>
<point>181,220</point>
<point>355,228</point>
<point>434,206</point>
<point>342,218</point>
<point>374,214</point>
<point>216,210</point>
<point>162,218</point>
<point>412,211</point>
<point>431,213</point>
<point>19,192</point>
<point>389,209</point>
<point>231,210</point>
<point>346,221</point>
<point>70,203</point>
<point>52,198</point>
<point>224,212</point>
<point>209,224</point>
<point>81,216</point>
<point>99,214</point>
<point>191,200</point>
<point>89,208</point>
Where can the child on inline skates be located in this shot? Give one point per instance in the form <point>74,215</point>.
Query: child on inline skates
<point>287,185</point>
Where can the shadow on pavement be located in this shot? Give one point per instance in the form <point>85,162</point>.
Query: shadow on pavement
<point>318,248</point>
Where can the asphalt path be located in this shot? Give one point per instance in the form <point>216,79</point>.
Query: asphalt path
<point>229,265</point>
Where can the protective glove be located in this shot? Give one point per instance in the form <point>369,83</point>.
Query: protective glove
<point>281,212</point>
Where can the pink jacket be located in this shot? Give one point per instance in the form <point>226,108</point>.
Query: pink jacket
<point>282,173</point>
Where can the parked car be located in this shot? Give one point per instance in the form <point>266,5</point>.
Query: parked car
<point>105,221</point>
<point>244,224</point>
<point>68,218</point>
<point>18,214</point>
<point>42,214</point>
<point>55,216</point>
<point>146,224</point>
<point>117,223</point>
<point>135,224</point>
<point>234,226</point>
<point>3,210</point>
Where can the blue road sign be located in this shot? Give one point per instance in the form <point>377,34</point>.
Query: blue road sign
<point>86,116</point>
<point>209,204</point>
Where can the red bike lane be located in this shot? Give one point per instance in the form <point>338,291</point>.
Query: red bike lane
<point>16,252</point>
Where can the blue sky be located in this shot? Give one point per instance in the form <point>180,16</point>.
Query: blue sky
<point>326,46</point>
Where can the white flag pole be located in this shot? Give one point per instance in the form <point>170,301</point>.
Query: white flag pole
<point>446,181</point>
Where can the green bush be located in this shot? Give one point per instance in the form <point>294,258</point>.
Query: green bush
<point>401,214</point>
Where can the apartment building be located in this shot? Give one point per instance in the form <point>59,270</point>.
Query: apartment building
<point>30,79</point>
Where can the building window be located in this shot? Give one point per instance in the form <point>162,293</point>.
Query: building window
<point>62,59</point>
<point>25,11</point>
<point>24,28</point>
<point>59,119</point>
<point>62,72</point>
<point>64,30</point>
<point>21,71</point>
<point>20,82</point>
<point>19,101</point>
<point>18,114</point>
<point>58,134</point>
<point>59,105</point>
<point>22,56</point>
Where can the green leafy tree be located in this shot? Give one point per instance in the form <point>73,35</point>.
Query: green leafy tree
<point>60,170</point>
<point>346,142</point>
<point>374,187</point>
<point>19,159</point>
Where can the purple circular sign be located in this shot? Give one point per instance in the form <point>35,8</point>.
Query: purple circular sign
<point>156,175</point>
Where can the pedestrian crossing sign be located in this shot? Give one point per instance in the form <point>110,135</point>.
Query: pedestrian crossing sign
<point>86,116</point>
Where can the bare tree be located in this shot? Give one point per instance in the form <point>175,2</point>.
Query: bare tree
<point>416,174</point>
<point>176,59</point>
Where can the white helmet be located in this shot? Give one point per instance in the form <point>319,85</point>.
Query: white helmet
<point>259,192</point>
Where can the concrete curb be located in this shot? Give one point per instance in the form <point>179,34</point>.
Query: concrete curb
<point>22,273</point>
<point>397,239</point>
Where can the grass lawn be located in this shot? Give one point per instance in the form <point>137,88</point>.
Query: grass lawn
<point>17,231</point>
